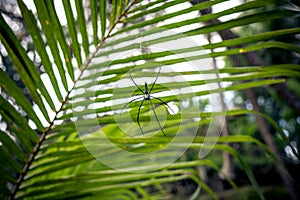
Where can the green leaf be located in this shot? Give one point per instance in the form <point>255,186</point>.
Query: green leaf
<point>10,145</point>
<point>60,37</point>
<point>82,26</point>
<point>10,163</point>
<point>24,66</point>
<point>113,12</point>
<point>8,110</point>
<point>40,46</point>
<point>11,88</point>
<point>168,16</point>
<point>74,46</point>
<point>94,12</point>
<point>103,17</point>
<point>47,25</point>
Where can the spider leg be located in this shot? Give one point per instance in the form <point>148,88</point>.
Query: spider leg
<point>129,103</point>
<point>156,117</point>
<point>163,103</point>
<point>135,83</point>
<point>138,116</point>
<point>155,80</point>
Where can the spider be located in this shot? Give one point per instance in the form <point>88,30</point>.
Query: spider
<point>147,97</point>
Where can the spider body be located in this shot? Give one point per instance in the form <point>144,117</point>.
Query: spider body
<point>147,97</point>
<point>146,93</point>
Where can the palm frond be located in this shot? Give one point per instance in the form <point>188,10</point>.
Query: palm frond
<point>86,148</point>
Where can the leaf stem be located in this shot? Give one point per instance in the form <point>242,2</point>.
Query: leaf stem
<point>44,135</point>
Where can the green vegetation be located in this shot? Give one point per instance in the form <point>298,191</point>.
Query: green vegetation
<point>231,76</point>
